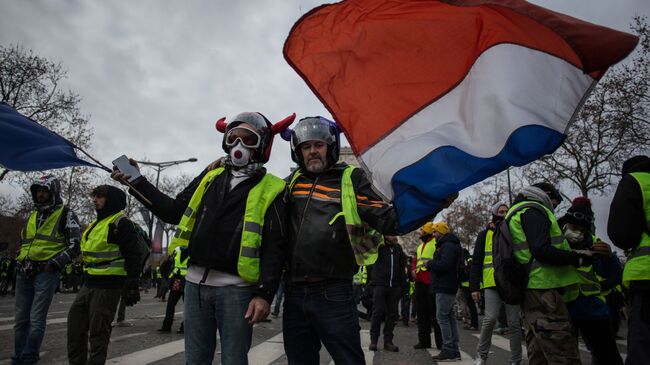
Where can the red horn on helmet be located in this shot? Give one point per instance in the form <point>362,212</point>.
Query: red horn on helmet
<point>283,124</point>
<point>221,125</point>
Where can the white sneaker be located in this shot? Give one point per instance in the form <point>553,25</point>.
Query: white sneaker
<point>480,361</point>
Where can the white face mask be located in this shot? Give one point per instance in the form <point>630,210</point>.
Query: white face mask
<point>240,155</point>
<point>573,236</point>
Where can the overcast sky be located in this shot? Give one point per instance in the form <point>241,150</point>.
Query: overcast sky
<point>155,75</point>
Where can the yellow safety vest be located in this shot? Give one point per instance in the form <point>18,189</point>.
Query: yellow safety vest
<point>361,277</point>
<point>102,257</point>
<point>44,242</point>
<point>637,266</point>
<point>488,266</point>
<point>364,240</point>
<point>426,255</point>
<point>543,276</point>
<point>258,201</point>
<point>180,267</point>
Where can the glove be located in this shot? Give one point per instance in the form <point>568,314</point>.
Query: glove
<point>131,293</point>
<point>585,257</point>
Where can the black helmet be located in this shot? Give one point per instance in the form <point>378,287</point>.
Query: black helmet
<point>316,129</point>
<point>260,124</point>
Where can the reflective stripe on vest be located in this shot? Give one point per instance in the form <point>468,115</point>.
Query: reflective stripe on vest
<point>102,257</point>
<point>364,240</point>
<point>44,242</point>
<point>258,201</point>
<point>361,277</point>
<point>543,276</point>
<point>589,282</point>
<point>180,267</point>
<point>488,268</point>
<point>637,266</point>
<point>426,255</point>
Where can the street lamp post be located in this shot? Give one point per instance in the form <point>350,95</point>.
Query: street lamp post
<point>159,166</point>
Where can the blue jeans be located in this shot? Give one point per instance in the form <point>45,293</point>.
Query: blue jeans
<point>321,312</point>
<point>447,321</point>
<point>209,308</point>
<point>33,298</point>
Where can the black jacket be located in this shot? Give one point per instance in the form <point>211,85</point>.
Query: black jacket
<point>390,268</point>
<point>446,262</point>
<point>320,250</point>
<point>216,237</point>
<point>124,235</point>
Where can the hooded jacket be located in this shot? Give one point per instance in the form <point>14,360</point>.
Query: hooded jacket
<point>390,267</point>
<point>445,265</point>
<point>69,227</point>
<point>317,249</point>
<point>124,235</point>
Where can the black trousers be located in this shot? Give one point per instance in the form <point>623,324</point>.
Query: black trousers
<point>602,343</point>
<point>174,296</point>
<point>426,312</point>
<point>638,328</point>
<point>384,303</point>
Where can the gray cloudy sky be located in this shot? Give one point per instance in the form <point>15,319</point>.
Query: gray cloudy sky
<point>155,75</point>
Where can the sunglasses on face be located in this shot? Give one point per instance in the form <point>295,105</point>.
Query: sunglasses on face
<point>247,137</point>
<point>581,216</point>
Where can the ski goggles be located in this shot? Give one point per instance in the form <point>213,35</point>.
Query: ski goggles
<point>247,137</point>
<point>581,216</point>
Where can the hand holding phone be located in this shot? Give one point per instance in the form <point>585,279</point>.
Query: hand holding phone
<point>125,170</point>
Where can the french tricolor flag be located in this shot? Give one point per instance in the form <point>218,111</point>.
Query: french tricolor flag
<point>435,96</point>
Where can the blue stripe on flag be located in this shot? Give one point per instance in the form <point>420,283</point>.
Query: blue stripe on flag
<point>419,188</point>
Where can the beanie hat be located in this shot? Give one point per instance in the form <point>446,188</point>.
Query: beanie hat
<point>427,227</point>
<point>441,227</point>
<point>495,208</point>
<point>580,213</point>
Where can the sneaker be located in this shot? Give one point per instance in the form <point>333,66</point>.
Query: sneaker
<point>445,356</point>
<point>372,347</point>
<point>388,346</point>
<point>480,361</point>
<point>470,328</point>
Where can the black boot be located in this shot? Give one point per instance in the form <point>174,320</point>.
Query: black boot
<point>388,346</point>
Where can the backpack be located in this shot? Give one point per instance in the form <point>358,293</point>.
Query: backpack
<point>143,243</point>
<point>510,276</point>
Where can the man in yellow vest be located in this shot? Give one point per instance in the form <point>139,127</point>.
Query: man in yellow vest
<point>111,268</point>
<point>629,229</point>
<point>176,287</point>
<point>232,219</point>
<point>425,305</point>
<point>49,241</point>
<point>329,203</point>
<point>482,277</point>
<point>553,277</point>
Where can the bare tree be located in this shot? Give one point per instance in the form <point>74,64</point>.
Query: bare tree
<point>612,126</point>
<point>31,85</point>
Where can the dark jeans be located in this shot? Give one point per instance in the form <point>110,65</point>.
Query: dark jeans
<point>121,310</point>
<point>33,298</point>
<point>321,312</point>
<point>384,303</point>
<point>473,314</point>
<point>174,296</point>
<point>600,337</point>
<point>406,307</point>
<point>638,333</point>
<point>89,321</point>
<point>426,309</point>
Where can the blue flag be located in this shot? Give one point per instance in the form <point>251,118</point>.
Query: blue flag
<point>28,146</point>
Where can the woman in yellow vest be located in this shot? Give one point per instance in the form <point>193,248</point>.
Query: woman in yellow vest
<point>232,219</point>
<point>589,312</point>
<point>49,241</point>
<point>111,268</point>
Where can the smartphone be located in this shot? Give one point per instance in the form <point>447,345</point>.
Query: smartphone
<point>123,164</point>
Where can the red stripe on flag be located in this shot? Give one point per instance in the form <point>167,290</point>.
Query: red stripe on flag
<point>375,63</point>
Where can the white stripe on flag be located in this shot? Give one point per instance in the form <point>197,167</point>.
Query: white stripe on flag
<point>508,87</point>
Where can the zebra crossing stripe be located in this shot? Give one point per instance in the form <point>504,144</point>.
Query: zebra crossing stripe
<point>267,351</point>
<point>151,354</point>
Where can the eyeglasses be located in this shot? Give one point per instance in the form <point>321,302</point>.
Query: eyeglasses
<point>247,137</point>
<point>581,216</point>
